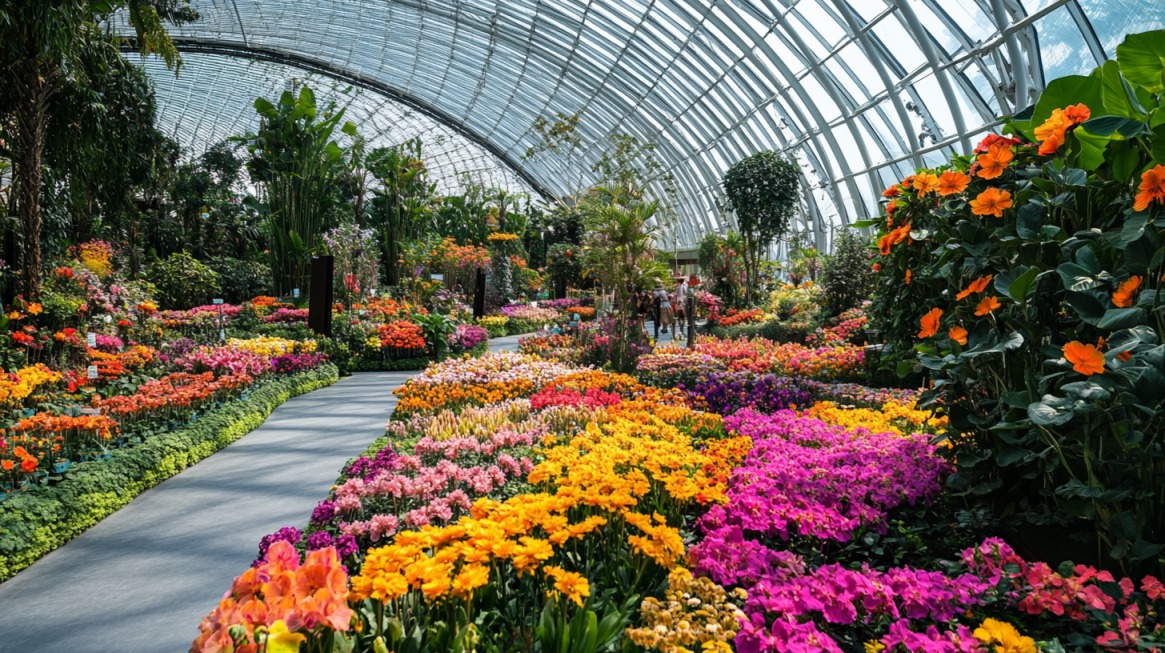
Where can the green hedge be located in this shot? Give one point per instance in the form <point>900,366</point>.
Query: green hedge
<point>35,522</point>
<point>772,329</point>
<point>408,364</point>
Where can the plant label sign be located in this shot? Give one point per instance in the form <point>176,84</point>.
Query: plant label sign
<point>91,371</point>
<point>216,301</point>
<point>295,293</point>
<point>91,338</point>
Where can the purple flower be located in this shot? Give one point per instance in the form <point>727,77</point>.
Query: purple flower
<point>320,540</point>
<point>285,534</point>
<point>324,513</point>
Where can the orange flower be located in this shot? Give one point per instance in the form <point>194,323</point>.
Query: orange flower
<point>908,275</point>
<point>1152,188</point>
<point>992,201</point>
<point>930,322</point>
<point>1126,291</point>
<point>977,286</point>
<point>987,305</point>
<point>891,191</point>
<point>994,161</point>
<point>925,182</point>
<point>958,334</point>
<point>952,183</point>
<point>1085,359</point>
<point>893,238</point>
<point>1055,128</point>
<point>35,309</point>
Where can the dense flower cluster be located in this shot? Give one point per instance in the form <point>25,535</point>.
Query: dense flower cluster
<point>270,346</point>
<point>673,365</point>
<point>17,386</point>
<point>281,601</point>
<point>467,336</point>
<point>727,392</point>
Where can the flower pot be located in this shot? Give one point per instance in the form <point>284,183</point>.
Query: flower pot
<point>62,466</point>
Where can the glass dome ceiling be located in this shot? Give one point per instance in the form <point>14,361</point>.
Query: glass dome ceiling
<point>859,92</point>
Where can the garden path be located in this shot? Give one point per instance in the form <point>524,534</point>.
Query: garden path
<point>141,580</point>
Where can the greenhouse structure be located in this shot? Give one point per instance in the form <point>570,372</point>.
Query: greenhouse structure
<point>585,326</point>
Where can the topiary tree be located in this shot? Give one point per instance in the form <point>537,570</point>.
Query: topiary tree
<point>846,276</point>
<point>762,191</point>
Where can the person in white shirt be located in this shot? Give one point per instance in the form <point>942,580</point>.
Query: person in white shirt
<point>666,314</point>
<point>680,301</point>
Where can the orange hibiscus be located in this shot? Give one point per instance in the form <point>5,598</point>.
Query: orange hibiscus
<point>987,305</point>
<point>1086,359</point>
<point>1152,188</point>
<point>977,286</point>
<point>992,201</point>
<point>930,322</point>
<point>893,238</point>
<point>994,161</point>
<point>1052,133</point>
<point>925,182</point>
<point>958,334</point>
<point>1126,291</point>
<point>952,183</point>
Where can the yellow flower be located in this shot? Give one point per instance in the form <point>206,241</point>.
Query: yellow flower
<point>1004,636</point>
<point>571,585</point>
<point>281,640</point>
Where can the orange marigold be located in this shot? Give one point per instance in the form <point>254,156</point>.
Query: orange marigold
<point>1152,188</point>
<point>977,286</point>
<point>930,322</point>
<point>1052,133</point>
<point>995,161</point>
<point>987,305</point>
<point>1085,359</point>
<point>952,183</point>
<point>958,334</point>
<point>992,201</point>
<point>925,182</point>
<point>1126,291</point>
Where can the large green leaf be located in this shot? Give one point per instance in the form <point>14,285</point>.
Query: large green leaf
<point>1142,60</point>
<point>1159,141</point>
<point>1075,277</point>
<point>1119,97</point>
<point>1122,318</point>
<point>1017,283</point>
<point>1109,125</point>
<point>1042,414</point>
<point>1067,91</point>
<point>1028,220</point>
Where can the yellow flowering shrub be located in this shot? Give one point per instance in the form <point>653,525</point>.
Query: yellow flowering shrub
<point>18,386</point>
<point>271,346</point>
<point>894,417</point>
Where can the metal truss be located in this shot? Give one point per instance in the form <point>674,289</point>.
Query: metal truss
<point>859,92</point>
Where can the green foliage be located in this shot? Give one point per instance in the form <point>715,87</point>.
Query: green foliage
<point>294,157</point>
<point>722,262</point>
<point>564,266</point>
<point>1051,442</point>
<point>183,281</point>
<point>763,191</point>
<point>402,205</point>
<point>240,280</point>
<point>846,277</point>
<point>35,522</point>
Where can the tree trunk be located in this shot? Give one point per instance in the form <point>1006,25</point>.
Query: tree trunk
<point>31,118</point>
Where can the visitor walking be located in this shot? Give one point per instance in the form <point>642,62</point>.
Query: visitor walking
<point>666,312</point>
<point>680,300</point>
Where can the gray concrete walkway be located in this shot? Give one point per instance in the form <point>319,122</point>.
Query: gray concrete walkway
<point>142,579</point>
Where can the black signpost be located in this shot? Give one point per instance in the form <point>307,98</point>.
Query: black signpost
<point>319,306</point>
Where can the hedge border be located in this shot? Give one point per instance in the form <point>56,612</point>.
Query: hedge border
<point>36,522</point>
<point>411,364</point>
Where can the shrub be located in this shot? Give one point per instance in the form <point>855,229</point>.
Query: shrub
<point>241,280</point>
<point>846,278</point>
<point>183,281</point>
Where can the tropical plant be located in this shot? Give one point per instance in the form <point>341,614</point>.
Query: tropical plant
<point>401,207</point>
<point>763,191</point>
<point>722,262</point>
<point>40,47</point>
<point>620,256</point>
<point>1027,277</point>
<point>294,156</point>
